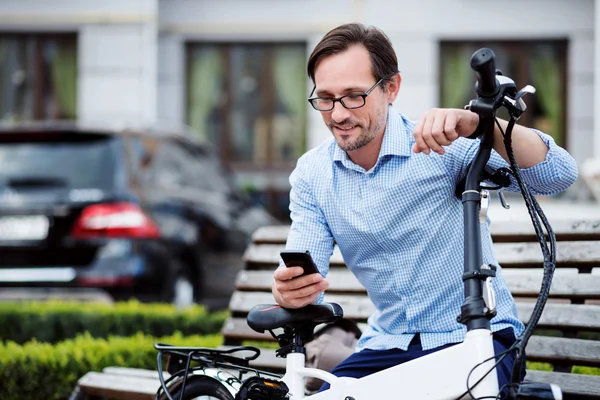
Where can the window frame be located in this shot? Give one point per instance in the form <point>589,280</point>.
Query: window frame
<point>41,85</point>
<point>519,48</point>
<point>225,147</point>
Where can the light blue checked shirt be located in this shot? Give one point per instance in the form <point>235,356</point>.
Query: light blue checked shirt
<point>399,227</point>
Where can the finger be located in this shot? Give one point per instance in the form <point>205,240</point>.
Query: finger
<point>438,134</point>
<point>419,125</point>
<point>298,283</point>
<point>450,127</point>
<point>467,123</point>
<point>287,273</point>
<point>308,290</point>
<point>428,134</point>
<point>293,296</point>
<point>304,301</point>
<point>420,142</point>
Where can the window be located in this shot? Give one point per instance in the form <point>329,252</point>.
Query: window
<point>249,101</point>
<point>54,159</point>
<point>173,164</point>
<point>538,63</point>
<point>38,77</point>
<point>157,163</point>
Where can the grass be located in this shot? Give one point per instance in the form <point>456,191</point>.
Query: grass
<point>538,366</point>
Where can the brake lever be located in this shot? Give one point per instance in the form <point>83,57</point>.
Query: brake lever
<point>503,201</point>
<point>516,106</point>
<point>528,89</point>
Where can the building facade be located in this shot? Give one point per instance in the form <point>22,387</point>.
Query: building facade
<point>234,70</point>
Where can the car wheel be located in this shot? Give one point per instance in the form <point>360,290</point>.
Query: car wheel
<point>180,289</point>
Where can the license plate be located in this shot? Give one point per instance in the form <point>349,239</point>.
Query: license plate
<point>37,274</point>
<point>24,227</point>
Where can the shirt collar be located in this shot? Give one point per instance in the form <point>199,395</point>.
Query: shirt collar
<point>395,140</point>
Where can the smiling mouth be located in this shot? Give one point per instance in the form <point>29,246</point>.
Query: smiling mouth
<point>344,129</point>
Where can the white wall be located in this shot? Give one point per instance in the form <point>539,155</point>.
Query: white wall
<point>127,70</point>
<point>415,29</point>
<point>117,51</point>
<point>171,78</point>
<point>597,82</point>
<point>62,10</point>
<point>241,20</point>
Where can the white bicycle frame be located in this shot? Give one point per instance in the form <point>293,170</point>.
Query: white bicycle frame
<point>436,376</point>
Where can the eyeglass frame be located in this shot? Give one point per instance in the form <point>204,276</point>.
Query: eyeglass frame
<point>340,99</point>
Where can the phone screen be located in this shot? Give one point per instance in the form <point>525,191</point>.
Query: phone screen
<point>295,258</point>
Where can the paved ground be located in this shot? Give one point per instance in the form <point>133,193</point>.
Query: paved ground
<point>219,286</point>
<point>220,282</point>
<point>554,209</point>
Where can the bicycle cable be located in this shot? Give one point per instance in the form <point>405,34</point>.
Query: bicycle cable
<point>501,356</point>
<point>535,213</point>
<point>549,254</point>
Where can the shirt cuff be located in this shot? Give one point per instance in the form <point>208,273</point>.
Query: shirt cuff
<point>552,175</point>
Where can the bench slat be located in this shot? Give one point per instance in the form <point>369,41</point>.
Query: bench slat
<point>502,230</point>
<point>571,384</point>
<point>573,316</point>
<point>119,386</point>
<point>568,254</point>
<point>540,348</point>
<point>136,372</point>
<point>567,283</point>
<point>564,350</point>
<point>355,307</point>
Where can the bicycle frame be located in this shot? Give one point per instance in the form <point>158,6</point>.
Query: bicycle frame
<point>428,377</point>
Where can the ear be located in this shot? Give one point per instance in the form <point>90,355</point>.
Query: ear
<point>393,88</point>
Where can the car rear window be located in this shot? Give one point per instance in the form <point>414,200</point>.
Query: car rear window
<point>70,160</point>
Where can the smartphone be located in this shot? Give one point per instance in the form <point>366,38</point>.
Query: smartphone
<point>295,258</point>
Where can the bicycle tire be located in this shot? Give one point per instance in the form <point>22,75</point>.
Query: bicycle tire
<point>203,388</point>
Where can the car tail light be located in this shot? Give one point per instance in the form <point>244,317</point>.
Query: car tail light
<point>114,220</point>
<point>105,281</point>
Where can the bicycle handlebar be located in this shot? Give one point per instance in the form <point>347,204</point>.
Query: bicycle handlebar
<point>482,62</point>
<point>472,310</point>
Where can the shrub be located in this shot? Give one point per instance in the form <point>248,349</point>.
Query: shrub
<point>52,321</point>
<point>43,371</point>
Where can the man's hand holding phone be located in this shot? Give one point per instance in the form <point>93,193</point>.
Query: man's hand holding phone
<point>300,283</point>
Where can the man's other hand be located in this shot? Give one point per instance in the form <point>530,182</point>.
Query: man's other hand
<point>294,291</point>
<point>442,126</point>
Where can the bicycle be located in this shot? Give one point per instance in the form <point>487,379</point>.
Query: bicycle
<point>220,373</point>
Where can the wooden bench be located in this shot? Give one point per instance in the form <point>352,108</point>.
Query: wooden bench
<point>118,383</point>
<point>573,311</point>
<point>590,174</point>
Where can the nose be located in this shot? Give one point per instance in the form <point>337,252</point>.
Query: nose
<point>339,112</point>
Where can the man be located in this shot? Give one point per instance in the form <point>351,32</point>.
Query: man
<point>383,190</point>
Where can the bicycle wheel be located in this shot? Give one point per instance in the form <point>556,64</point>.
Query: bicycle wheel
<point>203,388</point>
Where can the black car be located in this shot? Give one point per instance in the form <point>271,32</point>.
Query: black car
<point>137,213</point>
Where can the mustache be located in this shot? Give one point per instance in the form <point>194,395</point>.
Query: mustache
<point>347,123</point>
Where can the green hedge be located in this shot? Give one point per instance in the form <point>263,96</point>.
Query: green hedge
<point>53,321</point>
<point>44,371</point>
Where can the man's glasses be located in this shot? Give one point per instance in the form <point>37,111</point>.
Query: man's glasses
<point>349,101</point>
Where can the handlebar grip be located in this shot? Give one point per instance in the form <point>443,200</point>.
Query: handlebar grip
<point>483,63</point>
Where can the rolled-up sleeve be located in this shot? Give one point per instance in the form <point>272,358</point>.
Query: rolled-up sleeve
<point>551,176</point>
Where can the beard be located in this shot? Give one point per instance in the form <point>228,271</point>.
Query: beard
<point>366,135</point>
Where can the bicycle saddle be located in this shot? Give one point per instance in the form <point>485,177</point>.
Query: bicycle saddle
<point>264,317</point>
